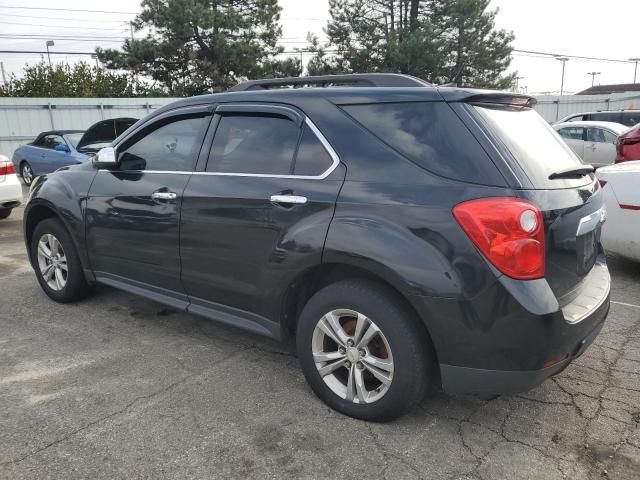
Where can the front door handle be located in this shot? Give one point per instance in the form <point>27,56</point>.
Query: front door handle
<point>164,195</point>
<point>288,199</point>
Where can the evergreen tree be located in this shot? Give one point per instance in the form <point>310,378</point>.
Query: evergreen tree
<point>198,46</point>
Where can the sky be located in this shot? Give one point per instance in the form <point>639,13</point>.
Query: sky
<point>588,28</point>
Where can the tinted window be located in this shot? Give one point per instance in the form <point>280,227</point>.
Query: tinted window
<point>312,158</point>
<point>74,138</point>
<point>577,118</point>
<point>630,118</point>
<point>533,144</point>
<point>254,144</point>
<point>573,133</point>
<point>171,146</point>
<point>430,135</point>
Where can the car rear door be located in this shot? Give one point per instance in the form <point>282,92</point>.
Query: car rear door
<point>574,137</point>
<point>133,211</point>
<point>600,147</point>
<point>256,214</point>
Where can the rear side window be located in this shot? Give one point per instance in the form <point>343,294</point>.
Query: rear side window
<point>257,144</point>
<point>430,135</point>
<point>533,144</point>
<point>312,158</point>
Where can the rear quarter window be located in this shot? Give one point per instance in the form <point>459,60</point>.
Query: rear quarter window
<point>431,135</point>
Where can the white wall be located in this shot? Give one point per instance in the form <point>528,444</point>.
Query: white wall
<point>22,119</point>
<point>551,110</point>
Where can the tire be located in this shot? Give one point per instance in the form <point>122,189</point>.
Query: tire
<point>4,213</point>
<point>403,346</point>
<point>26,173</point>
<point>72,285</point>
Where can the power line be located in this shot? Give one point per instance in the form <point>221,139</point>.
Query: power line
<point>70,10</point>
<point>65,19</point>
<point>61,26</point>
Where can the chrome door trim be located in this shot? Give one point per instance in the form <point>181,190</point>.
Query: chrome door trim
<point>590,222</point>
<point>292,199</point>
<point>322,176</point>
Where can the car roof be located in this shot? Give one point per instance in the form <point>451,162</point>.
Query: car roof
<point>616,127</point>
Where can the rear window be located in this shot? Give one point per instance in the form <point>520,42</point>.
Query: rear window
<point>431,135</point>
<point>533,143</point>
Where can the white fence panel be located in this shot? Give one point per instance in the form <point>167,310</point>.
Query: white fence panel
<point>554,107</point>
<point>22,119</point>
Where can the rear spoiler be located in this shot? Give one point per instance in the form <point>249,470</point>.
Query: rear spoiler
<point>487,97</point>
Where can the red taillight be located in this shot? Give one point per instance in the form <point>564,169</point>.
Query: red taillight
<point>631,137</point>
<point>508,231</point>
<point>6,168</point>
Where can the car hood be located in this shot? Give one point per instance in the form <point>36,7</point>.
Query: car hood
<point>105,131</point>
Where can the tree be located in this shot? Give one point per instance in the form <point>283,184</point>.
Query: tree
<point>198,46</point>
<point>441,41</point>
<point>79,80</point>
<point>478,54</point>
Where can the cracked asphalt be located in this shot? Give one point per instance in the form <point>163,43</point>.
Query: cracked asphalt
<point>121,387</point>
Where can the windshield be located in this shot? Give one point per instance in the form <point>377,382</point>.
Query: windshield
<point>74,138</point>
<point>536,147</point>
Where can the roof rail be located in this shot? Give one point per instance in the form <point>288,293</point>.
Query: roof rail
<point>352,80</point>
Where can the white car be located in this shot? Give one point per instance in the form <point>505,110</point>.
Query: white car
<point>621,231</point>
<point>10,188</point>
<point>593,142</point>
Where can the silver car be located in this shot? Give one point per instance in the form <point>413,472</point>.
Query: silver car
<point>594,142</point>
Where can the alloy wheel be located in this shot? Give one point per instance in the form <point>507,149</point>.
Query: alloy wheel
<point>52,262</point>
<point>352,356</point>
<point>27,174</point>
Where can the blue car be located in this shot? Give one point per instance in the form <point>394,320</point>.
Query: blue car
<point>59,148</point>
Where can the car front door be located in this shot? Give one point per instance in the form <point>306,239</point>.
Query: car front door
<point>133,211</point>
<point>600,147</point>
<point>257,213</point>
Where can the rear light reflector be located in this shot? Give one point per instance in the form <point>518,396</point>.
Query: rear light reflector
<point>508,231</point>
<point>602,183</point>
<point>6,168</point>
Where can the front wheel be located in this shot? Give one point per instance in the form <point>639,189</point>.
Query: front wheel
<point>56,262</point>
<point>362,350</point>
<point>26,173</point>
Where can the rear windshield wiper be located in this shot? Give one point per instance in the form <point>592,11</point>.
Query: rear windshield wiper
<point>573,172</point>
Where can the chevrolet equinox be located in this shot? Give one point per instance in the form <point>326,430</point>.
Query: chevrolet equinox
<point>400,236</point>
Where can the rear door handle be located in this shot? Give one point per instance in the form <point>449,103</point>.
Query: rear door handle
<point>288,199</point>
<point>164,195</point>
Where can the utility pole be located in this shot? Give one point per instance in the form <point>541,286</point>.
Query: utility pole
<point>50,43</point>
<point>4,77</point>
<point>593,76</point>
<point>564,61</point>
<point>635,71</point>
<point>518,83</point>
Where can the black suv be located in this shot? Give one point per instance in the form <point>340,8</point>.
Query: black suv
<point>401,235</point>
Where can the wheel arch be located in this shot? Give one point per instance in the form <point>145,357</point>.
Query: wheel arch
<point>307,283</point>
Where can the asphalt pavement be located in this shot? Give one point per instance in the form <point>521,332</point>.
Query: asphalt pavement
<point>121,387</point>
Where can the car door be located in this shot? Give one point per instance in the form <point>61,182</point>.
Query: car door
<point>43,155</point>
<point>133,211</point>
<point>257,214</point>
<point>600,147</point>
<point>573,136</point>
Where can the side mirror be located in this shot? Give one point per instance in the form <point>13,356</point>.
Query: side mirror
<point>105,158</point>
<point>62,148</point>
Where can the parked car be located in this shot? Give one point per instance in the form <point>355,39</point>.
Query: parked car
<point>628,145</point>
<point>621,232</point>
<point>10,188</point>
<point>593,142</point>
<point>625,117</point>
<point>399,237</point>
<point>59,148</point>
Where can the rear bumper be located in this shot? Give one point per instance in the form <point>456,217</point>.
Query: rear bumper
<point>465,380</point>
<point>10,192</point>
<point>515,334</point>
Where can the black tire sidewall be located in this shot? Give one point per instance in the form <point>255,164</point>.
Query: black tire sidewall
<point>409,346</point>
<point>76,286</point>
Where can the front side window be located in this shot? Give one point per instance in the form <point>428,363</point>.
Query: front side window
<point>254,144</point>
<point>172,146</point>
<point>51,141</point>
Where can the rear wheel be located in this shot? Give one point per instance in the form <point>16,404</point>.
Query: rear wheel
<point>5,212</point>
<point>26,173</point>
<point>363,351</point>
<point>56,262</point>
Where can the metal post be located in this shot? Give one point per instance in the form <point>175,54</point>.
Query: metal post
<point>564,61</point>
<point>593,76</point>
<point>50,107</point>
<point>635,71</point>
<point>4,77</point>
<point>49,43</point>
